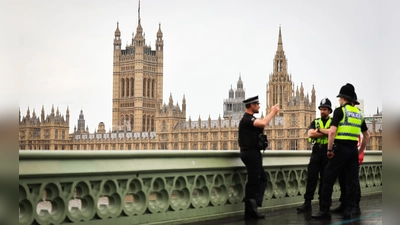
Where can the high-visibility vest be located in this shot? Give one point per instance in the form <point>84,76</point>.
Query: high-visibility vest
<point>320,124</point>
<point>350,126</point>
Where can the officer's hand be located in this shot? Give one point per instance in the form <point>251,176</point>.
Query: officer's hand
<point>275,108</point>
<point>330,154</point>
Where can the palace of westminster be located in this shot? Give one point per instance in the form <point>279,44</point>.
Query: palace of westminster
<point>140,120</point>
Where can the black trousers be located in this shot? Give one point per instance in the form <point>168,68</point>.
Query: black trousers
<point>343,192</point>
<point>315,169</point>
<point>256,176</point>
<point>345,159</point>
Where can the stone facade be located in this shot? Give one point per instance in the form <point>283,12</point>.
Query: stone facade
<point>140,120</point>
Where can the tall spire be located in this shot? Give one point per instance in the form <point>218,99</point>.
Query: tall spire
<point>139,12</point>
<point>139,40</point>
<point>280,44</point>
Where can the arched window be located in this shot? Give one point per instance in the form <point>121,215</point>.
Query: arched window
<point>148,123</point>
<point>132,122</point>
<point>293,145</point>
<point>279,145</point>
<point>144,123</point>
<point>127,87</point>
<point>293,120</point>
<point>122,88</point>
<point>148,87</point>
<point>144,87</point>
<point>152,88</point>
<point>122,120</point>
<point>132,86</point>
<point>152,124</point>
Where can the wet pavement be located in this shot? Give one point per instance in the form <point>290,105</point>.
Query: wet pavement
<point>371,214</point>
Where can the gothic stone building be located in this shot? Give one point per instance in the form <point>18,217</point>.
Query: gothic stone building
<point>141,121</point>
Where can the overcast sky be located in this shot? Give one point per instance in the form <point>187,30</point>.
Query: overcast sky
<point>65,53</point>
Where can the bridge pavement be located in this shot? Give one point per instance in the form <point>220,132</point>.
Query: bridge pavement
<point>371,208</point>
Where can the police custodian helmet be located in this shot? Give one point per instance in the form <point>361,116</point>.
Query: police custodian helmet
<point>325,102</point>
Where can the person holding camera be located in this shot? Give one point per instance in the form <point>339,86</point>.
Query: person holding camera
<point>318,136</point>
<point>251,130</point>
<point>347,124</point>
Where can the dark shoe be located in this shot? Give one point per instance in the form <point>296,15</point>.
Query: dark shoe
<point>357,211</point>
<point>351,212</point>
<point>251,212</point>
<point>253,205</point>
<point>306,207</point>
<point>339,209</point>
<point>323,214</point>
<point>255,216</point>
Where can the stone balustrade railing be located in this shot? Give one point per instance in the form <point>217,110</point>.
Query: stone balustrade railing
<point>159,187</point>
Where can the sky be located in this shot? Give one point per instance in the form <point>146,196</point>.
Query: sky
<point>65,51</point>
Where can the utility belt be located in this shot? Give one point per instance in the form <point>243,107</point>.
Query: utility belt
<point>324,146</point>
<point>257,141</point>
<point>345,144</point>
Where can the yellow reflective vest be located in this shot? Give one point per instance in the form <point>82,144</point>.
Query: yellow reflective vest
<point>350,126</point>
<point>320,124</point>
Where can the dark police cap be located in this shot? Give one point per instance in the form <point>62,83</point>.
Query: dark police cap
<point>251,100</point>
<point>347,91</point>
<point>356,102</point>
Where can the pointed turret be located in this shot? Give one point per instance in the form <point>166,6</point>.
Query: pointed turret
<point>280,43</point>
<point>199,121</point>
<point>240,82</point>
<point>34,114</point>
<point>231,93</point>
<point>313,97</point>
<point>159,41</point>
<point>42,114</point>
<point>28,114</point>
<point>81,122</point>
<point>171,102</point>
<point>117,38</point>
<point>139,39</point>
<point>301,90</point>
<point>117,32</point>
<point>184,105</point>
<point>67,115</point>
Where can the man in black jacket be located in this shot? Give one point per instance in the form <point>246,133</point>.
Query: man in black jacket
<point>250,129</point>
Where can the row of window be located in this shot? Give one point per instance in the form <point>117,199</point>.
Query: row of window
<point>36,134</point>
<point>127,87</point>
<point>185,136</point>
<point>148,122</point>
<point>127,68</point>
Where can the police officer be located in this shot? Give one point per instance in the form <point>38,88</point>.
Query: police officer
<point>250,129</point>
<point>342,182</point>
<point>318,135</point>
<point>346,125</point>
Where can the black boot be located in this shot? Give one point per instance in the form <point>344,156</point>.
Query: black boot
<point>250,212</point>
<point>357,211</point>
<point>351,212</point>
<point>306,207</point>
<point>323,214</point>
<point>339,209</point>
